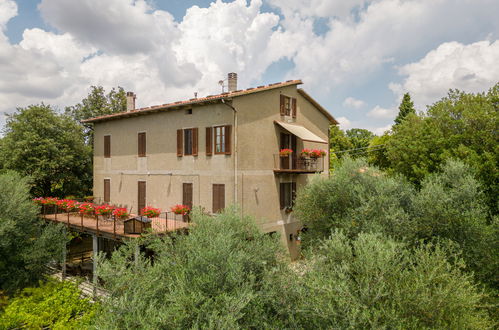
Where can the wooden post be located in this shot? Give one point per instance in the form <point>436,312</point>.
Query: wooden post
<point>97,219</point>
<point>114,226</point>
<point>95,251</point>
<point>55,212</point>
<point>68,218</point>
<point>81,220</point>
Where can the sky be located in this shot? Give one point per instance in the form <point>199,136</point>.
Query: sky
<point>355,57</point>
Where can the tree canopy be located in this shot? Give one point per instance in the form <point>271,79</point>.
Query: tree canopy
<point>50,149</point>
<point>461,125</point>
<point>97,103</point>
<point>26,244</point>
<point>406,107</point>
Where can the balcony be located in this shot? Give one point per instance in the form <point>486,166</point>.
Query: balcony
<point>298,164</point>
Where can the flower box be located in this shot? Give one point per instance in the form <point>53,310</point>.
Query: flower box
<point>285,152</point>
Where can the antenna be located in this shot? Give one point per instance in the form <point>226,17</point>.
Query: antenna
<point>221,83</point>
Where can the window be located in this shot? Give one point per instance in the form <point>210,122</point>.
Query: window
<point>288,106</point>
<point>107,146</point>
<point>222,139</point>
<point>107,190</point>
<point>218,197</point>
<point>187,142</point>
<point>287,194</point>
<point>142,144</point>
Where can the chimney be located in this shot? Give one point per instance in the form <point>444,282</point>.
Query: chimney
<point>232,79</point>
<point>130,101</point>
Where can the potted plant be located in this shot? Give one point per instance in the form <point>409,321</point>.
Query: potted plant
<point>316,153</point>
<point>180,209</point>
<point>151,212</point>
<point>305,153</point>
<point>105,210</point>
<point>87,208</point>
<point>285,152</point>
<point>121,213</point>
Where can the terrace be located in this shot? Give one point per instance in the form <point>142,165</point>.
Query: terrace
<point>110,226</point>
<point>297,164</point>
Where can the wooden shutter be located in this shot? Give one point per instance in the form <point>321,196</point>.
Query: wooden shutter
<point>282,192</point>
<point>141,196</point>
<point>142,144</point>
<point>107,146</point>
<point>187,194</point>
<point>107,190</point>
<point>283,101</point>
<point>228,136</point>
<point>180,142</point>
<point>195,141</point>
<point>293,107</point>
<point>209,144</point>
<point>294,155</point>
<point>293,193</point>
<point>218,197</point>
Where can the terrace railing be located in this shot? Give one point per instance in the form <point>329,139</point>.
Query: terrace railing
<point>298,164</point>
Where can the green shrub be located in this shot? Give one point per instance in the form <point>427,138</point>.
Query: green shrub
<point>357,198</point>
<point>54,305</point>
<point>376,282</point>
<point>211,278</point>
<point>26,244</point>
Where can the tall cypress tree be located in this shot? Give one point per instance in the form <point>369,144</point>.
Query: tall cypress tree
<point>405,108</point>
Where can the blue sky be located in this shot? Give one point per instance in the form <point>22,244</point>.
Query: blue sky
<point>356,57</point>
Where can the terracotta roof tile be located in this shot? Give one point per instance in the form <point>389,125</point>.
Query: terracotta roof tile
<point>199,100</point>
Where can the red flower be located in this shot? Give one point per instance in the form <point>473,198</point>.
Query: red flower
<point>285,152</point>
<point>180,209</point>
<point>151,212</point>
<point>87,208</point>
<point>121,213</point>
<point>104,209</point>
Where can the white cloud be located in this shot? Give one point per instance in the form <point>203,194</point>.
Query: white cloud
<point>344,123</point>
<point>472,68</point>
<point>131,44</point>
<point>382,113</point>
<point>8,9</point>
<point>351,102</point>
<point>319,8</point>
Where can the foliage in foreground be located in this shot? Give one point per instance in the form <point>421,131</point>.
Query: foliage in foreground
<point>210,278</point>
<point>54,305</point>
<point>227,275</point>
<point>374,282</point>
<point>448,206</point>
<point>26,244</point>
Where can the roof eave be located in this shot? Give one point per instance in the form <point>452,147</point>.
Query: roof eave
<point>318,106</point>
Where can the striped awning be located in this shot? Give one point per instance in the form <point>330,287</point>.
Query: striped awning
<point>300,132</point>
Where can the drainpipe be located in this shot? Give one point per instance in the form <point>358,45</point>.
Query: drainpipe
<point>235,148</point>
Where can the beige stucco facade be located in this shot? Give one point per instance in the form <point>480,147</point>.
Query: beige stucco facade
<point>248,172</point>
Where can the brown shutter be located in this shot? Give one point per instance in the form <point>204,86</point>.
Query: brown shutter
<point>215,206</point>
<point>293,107</point>
<point>293,193</point>
<point>195,141</point>
<point>107,146</point>
<point>282,191</point>
<point>187,194</point>
<point>283,111</point>
<point>142,144</point>
<point>180,142</point>
<point>141,196</point>
<point>222,196</point>
<point>209,144</point>
<point>218,197</point>
<point>228,136</point>
<point>107,190</point>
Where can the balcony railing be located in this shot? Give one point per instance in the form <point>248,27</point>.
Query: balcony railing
<point>297,164</point>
